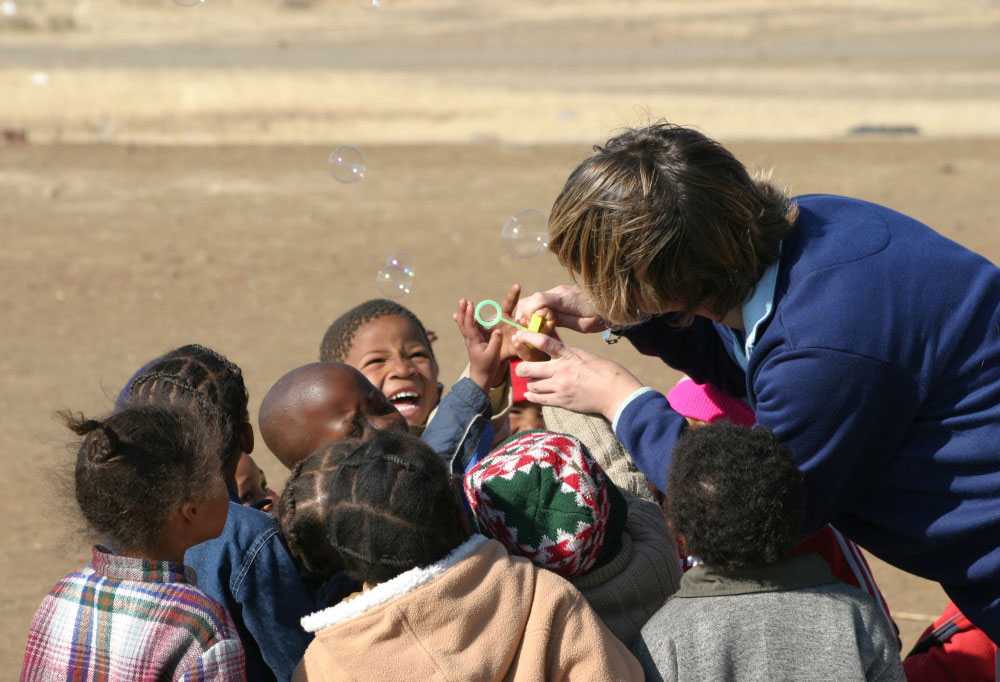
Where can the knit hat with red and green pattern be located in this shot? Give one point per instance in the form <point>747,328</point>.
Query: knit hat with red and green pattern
<point>544,497</point>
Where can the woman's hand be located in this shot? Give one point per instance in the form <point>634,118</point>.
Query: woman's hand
<point>483,347</point>
<point>575,379</point>
<point>568,304</point>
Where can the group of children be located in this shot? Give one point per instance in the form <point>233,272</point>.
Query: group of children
<point>425,534</point>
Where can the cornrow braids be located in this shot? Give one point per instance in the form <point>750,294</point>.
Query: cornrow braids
<point>135,466</point>
<point>200,379</point>
<point>340,334</point>
<point>374,509</point>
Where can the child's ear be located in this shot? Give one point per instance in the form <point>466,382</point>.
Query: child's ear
<point>190,512</point>
<point>246,438</point>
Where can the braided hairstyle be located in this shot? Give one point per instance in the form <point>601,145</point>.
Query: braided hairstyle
<point>340,334</point>
<point>200,379</point>
<point>374,509</point>
<point>137,465</point>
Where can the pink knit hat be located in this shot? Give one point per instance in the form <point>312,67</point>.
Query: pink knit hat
<point>706,403</point>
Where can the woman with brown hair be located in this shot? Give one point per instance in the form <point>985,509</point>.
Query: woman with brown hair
<point>867,342</point>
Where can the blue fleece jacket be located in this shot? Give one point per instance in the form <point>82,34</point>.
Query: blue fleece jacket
<point>880,369</point>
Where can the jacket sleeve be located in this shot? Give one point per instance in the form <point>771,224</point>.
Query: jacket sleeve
<point>649,428</point>
<point>839,414</point>
<point>697,350</point>
<point>583,648</point>
<point>834,410</point>
<point>456,431</point>
<point>273,598</point>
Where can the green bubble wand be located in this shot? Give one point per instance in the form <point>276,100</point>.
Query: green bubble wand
<point>534,326</point>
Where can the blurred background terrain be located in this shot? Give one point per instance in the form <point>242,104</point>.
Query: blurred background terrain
<point>164,176</point>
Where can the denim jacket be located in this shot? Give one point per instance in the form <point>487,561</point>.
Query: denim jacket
<point>249,570</point>
<point>459,430</point>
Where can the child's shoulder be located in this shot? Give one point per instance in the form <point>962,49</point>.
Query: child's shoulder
<point>207,619</point>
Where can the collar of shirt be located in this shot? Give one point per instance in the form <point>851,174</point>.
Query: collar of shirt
<point>793,573</point>
<point>756,311</point>
<point>118,567</point>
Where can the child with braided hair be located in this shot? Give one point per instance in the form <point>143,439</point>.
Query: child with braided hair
<point>149,479</point>
<point>435,598</point>
<point>247,568</point>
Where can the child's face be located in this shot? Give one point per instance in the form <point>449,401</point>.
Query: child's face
<point>392,353</point>
<point>251,485</point>
<point>525,416</point>
<point>354,408</point>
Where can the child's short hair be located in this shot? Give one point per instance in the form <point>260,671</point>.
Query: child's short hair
<point>374,509</point>
<point>339,336</point>
<point>735,495</point>
<point>664,217</point>
<point>135,466</point>
<point>198,378</point>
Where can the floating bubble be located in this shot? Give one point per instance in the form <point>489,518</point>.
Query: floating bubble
<point>370,4</point>
<point>395,278</point>
<point>8,8</point>
<point>40,78</point>
<point>347,164</point>
<point>525,234</point>
<point>189,3</point>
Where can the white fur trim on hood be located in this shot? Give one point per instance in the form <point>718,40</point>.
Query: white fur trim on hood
<point>390,589</point>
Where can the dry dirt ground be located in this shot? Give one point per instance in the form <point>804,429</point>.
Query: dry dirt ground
<point>136,242</point>
<point>114,254</point>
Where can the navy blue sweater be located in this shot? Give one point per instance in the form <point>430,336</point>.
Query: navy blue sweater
<point>880,369</point>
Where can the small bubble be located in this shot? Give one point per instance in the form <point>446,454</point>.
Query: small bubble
<point>8,8</point>
<point>189,3</point>
<point>347,164</point>
<point>525,234</point>
<point>40,78</point>
<point>395,278</point>
<point>370,4</point>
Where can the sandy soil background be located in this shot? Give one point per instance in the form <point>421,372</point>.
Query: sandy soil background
<point>181,190</point>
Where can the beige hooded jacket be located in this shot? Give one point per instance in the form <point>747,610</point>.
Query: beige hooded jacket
<point>478,614</point>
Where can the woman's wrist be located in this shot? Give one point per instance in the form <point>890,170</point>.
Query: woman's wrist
<point>619,390</point>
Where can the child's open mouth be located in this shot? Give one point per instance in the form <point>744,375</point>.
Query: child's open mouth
<point>407,402</point>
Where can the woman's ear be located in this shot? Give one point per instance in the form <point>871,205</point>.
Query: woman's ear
<point>246,438</point>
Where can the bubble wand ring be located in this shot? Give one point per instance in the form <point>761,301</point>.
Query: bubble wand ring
<point>534,326</point>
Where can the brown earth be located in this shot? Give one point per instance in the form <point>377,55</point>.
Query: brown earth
<point>114,254</point>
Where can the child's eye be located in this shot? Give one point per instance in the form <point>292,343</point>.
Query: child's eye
<point>373,361</point>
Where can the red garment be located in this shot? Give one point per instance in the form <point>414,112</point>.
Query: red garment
<point>847,563</point>
<point>952,648</point>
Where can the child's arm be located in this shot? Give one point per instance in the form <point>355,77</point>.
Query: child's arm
<point>461,425</point>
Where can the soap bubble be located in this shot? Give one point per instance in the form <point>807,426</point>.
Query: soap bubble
<point>40,78</point>
<point>189,3</point>
<point>8,8</point>
<point>370,4</point>
<point>347,164</point>
<point>525,234</point>
<point>395,278</point>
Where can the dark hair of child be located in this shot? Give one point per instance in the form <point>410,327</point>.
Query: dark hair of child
<point>198,378</point>
<point>135,466</point>
<point>374,509</point>
<point>735,496</point>
<point>340,334</point>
